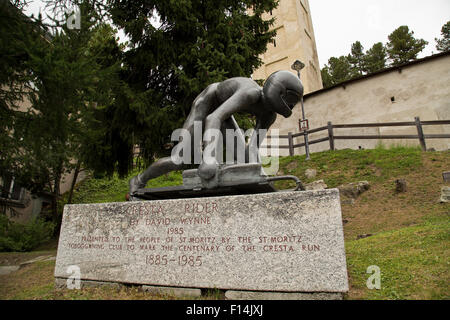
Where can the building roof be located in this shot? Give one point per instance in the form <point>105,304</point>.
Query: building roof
<point>387,70</point>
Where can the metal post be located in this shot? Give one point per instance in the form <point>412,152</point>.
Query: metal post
<point>305,134</point>
<point>298,65</point>
<point>291,144</point>
<point>331,135</point>
<point>420,133</point>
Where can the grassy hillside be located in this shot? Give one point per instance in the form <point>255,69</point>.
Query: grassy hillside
<point>409,232</point>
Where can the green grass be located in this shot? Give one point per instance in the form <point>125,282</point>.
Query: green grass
<point>114,189</point>
<point>16,258</point>
<point>344,166</point>
<point>414,261</point>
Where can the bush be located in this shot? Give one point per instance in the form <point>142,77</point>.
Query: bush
<point>23,237</point>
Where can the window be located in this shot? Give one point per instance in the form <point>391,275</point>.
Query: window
<point>10,189</point>
<point>304,7</point>
<point>306,18</point>
<point>307,33</point>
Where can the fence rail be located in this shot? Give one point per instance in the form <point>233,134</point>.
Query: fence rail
<point>331,137</point>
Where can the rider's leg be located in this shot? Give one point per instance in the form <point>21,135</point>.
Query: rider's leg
<point>158,168</point>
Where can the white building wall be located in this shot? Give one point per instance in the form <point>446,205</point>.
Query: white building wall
<point>421,89</point>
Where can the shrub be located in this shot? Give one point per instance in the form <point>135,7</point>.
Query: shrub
<point>23,237</point>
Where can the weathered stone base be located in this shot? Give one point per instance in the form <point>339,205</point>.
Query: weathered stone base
<point>61,283</point>
<point>4,270</point>
<point>177,292</point>
<point>260,295</point>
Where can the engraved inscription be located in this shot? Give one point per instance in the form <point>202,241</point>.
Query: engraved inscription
<point>172,243</point>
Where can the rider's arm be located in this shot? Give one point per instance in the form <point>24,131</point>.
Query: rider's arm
<point>237,102</point>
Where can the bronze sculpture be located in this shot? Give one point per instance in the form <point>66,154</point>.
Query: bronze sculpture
<point>215,107</point>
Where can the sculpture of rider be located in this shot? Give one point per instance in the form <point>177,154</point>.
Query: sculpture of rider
<point>214,108</point>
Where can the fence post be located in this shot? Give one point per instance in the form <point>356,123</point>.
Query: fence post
<point>291,144</point>
<point>420,133</point>
<point>331,135</point>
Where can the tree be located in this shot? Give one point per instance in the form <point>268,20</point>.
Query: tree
<point>19,37</point>
<point>375,58</point>
<point>15,29</point>
<point>38,135</point>
<point>403,47</point>
<point>104,147</point>
<point>338,70</point>
<point>356,59</point>
<point>72,81</point>
<point>196,43</point>
<point>443,44</point>
<point>327,80</point>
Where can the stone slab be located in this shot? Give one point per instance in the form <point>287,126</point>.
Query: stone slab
<point>445,194</point>
<point>283,241</point>
<point>178,292</point>
<point>316,185</point>
<point>4,270</point>
<point>252,295</point>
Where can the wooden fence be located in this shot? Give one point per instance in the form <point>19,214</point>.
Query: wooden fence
<point>331,138</point>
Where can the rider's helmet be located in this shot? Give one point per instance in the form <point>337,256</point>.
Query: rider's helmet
<point>282,90</point>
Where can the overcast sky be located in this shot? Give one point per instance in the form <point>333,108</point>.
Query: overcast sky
<point>339,23</point>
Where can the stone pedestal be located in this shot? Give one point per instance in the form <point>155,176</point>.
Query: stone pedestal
<point>283,242</point>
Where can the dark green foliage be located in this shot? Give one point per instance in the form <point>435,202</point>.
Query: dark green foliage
<point>15,39</point>
<point>327,79</point>
<point>337,71</point>
<point>23,237</point>
<point>105,145</point>
<point>345,67</point>
<point>71,80</point>
<point>245,121</point>
<point>443,44</point>
<point>196,43</point>
<point>356,64</point>
<point>356,59</point>
<point>403,47</point>
<point>375,58</point>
